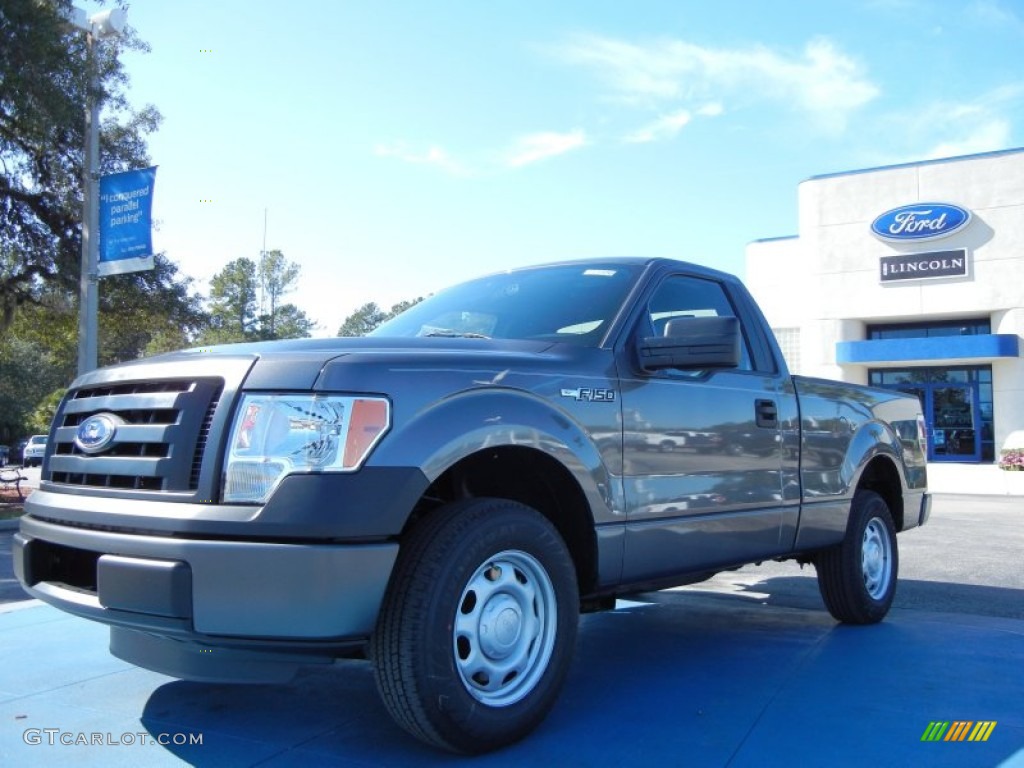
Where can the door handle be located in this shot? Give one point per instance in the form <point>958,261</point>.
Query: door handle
<point>766,413</point>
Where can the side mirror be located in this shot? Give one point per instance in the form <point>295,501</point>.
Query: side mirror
<point>693,343</point>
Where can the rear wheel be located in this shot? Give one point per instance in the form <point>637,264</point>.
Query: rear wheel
<point>857,578</point>
<point>477,629</point>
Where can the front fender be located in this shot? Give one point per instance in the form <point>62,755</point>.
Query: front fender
<point>469,422</point>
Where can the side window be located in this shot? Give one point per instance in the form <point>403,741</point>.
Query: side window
<point>680,296</point>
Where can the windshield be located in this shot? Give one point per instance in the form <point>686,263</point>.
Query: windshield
<point>572,303</point>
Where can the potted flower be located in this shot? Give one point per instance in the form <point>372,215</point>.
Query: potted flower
<point>1011,460</point>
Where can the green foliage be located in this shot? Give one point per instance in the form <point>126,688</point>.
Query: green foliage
<point>363,320</point>
<point>234,312</point>
<point>38,354</point>
<point>43,85</point>
<point>143,312</point>
<point>232,303</point>
<point>44,412</point>
<point>401,306</point>
<point>277,277</point>
<point>288,322</point>
<point>369,316</point>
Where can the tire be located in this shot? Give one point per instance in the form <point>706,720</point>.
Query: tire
<point>857,578</point>
<point>478,626</point>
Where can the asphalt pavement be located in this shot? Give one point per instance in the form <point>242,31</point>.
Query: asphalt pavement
<point>744,670</point>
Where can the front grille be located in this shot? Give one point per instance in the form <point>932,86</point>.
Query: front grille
<point>163,428</point>
<point>204,436</point>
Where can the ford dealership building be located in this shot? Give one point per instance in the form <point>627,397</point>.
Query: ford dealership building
<point>910,277</point>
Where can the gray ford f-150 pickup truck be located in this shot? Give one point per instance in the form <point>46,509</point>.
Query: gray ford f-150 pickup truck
<point>447,494</point>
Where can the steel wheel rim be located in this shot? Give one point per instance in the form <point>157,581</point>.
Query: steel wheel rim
<point>876,558</point>
<point>504,629</point>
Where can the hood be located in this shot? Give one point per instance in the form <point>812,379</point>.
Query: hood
<point>297,364</point>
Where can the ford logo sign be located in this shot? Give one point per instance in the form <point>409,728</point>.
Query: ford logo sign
<point>922,221</point>
<point>97,432</point>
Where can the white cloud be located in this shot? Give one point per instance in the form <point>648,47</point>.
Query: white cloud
<point>985,137</point>
<point>714,109</point>
<point>951,129</point>
<point>523,151</point>
<point>821,80</point>
<point>540,146</point>
<point>663,128</point>
<point>435,156</point>
<point>668,126</point>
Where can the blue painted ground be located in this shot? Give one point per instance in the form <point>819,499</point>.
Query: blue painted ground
<point>683,680</point>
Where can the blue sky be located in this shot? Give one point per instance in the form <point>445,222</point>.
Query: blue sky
<point>398,147</point>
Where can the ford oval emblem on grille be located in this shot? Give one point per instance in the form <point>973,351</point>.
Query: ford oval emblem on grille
<point>97,432</point>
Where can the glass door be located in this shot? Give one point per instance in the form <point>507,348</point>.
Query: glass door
<point>953,436</point>
<point>957,404</point>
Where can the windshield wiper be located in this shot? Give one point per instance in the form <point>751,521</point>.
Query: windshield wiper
<point>449,333</point>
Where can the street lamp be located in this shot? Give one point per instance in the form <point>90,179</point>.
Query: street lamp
<point>99,26</point>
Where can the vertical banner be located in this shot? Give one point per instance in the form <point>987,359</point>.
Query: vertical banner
<point>126,225</point>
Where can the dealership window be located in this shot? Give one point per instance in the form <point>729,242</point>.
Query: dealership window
<point>957,404</point>
<point>972,327</point>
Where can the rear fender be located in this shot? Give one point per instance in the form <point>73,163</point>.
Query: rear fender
<point>873,439</point>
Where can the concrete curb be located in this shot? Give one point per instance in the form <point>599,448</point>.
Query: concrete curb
<point>974,479</point>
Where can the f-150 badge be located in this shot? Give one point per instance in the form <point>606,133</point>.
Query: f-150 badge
<point>588,395</point>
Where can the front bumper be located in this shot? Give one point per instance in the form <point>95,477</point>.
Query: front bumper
<point>926,509</point>
<point>292,601</point>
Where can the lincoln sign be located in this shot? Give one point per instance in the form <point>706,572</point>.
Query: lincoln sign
<point>922,266</point>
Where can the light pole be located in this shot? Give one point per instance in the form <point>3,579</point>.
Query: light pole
<point>102,25</point>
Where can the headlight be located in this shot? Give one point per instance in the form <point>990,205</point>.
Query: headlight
<point>279,434</point>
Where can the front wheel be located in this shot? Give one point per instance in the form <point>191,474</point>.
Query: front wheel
<point>477,629</point>
<point>857,578</point>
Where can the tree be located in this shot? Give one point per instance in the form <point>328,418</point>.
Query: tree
<point>277,277</point>
<point>43,85</point>
<point>45,410</point>
<point>369,316</point>
<point>235,314</point>
<point>148,312</point>
<point>233,303</point>
<point>363,320</point>
<point>140,314</point>
<point>290,322</point>
<point>401,306</point>
<point>38,354</point>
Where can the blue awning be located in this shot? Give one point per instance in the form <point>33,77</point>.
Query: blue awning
<point>928,350</point>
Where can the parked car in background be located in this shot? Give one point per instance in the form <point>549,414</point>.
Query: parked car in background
<point>32,453</point>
